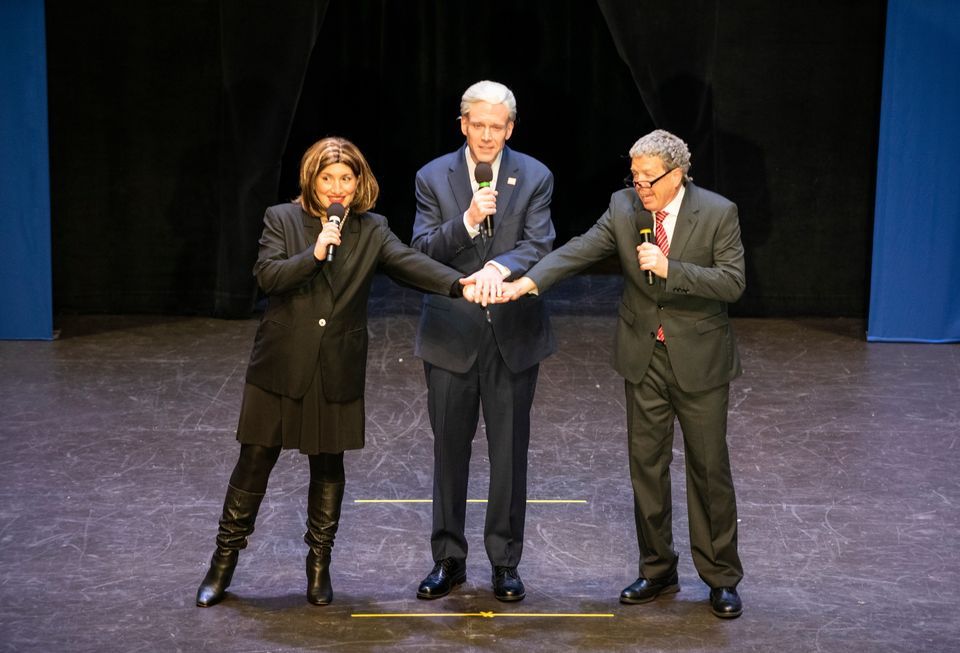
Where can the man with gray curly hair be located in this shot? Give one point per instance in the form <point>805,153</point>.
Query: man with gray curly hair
<point>682,260</point>
<point>672,151</point>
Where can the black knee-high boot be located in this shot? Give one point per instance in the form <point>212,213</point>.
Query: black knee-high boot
<point>236,524</point>
<point>323,518</point>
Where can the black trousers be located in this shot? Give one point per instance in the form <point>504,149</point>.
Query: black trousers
<point>454,401</point>
<point>652,406</point>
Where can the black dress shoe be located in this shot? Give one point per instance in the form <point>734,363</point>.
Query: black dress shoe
<point>507,585</point>
<point>446,574</point>
<point>645,589</point>
<point>725,602</point>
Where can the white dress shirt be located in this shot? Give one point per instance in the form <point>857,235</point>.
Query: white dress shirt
<point>474,230</point>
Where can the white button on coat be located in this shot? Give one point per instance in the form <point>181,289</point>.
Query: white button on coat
<point>322,322</point>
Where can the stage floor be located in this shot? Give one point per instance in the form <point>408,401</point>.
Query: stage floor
<point>117,440</point>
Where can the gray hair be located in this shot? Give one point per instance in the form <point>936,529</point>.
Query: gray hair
<point>667,147</point>
<point>491,92</point>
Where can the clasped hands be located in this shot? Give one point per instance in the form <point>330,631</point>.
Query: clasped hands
<point>486,286</point>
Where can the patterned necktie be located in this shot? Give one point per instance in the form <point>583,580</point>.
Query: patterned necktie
<point>664,246</point>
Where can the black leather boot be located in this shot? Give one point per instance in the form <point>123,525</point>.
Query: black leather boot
<point>236,524</point>
<point>323,518</point>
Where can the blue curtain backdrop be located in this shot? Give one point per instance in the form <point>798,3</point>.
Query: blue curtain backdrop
<point>26,304</point>
<point>915,285</point>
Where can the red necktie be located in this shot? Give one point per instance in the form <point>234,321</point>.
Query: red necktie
<point>664,246</point>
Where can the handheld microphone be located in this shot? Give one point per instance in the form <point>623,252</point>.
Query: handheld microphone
<point>335,213</point>
<point>645,237</point>
<point>483,175</point>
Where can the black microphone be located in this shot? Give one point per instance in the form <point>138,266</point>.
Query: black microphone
<point>645,237</point>
<point>335,213</point>
<point>483,174</point>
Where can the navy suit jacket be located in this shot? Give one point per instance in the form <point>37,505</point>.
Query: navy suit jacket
<point>706,272</point>
<point>523,233</point>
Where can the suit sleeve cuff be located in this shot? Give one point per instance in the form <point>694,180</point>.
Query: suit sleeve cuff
<point>502,269</point>
<point>472,230</point>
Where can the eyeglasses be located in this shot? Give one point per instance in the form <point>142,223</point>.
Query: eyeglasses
<point>645,185</point>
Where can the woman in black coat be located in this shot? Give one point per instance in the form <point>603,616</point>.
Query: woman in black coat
<point>304,384</point>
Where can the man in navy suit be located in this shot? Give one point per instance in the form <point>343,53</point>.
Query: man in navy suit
<point>482,355</point>
<point>675,348</point>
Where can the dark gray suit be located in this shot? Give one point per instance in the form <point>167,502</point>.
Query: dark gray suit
<point>689,378</point>
<point>477,356</point>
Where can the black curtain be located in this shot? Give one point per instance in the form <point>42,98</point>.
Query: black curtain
<point>265,47</point>
<point>168,124</point>
<point>174,125</point>
<point>389,76</point>
<point>779,102</point>
<point>671,55</point>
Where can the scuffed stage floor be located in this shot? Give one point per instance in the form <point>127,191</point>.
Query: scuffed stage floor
<point>116,442</point>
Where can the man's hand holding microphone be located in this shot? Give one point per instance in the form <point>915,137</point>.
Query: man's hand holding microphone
<point>484,203</point>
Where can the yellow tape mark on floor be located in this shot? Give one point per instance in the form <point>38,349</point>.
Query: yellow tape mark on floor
<point>558,501</point>
<point>393,500</point>
<point>485,615</point>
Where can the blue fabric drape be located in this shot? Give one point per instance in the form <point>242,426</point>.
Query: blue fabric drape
<point>915,285</point>
<point>26,303</point>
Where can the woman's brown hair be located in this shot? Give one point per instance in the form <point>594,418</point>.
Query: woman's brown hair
<point>328,151</point>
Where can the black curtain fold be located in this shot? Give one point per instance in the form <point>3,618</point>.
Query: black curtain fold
<point>671,56</point>
<point>265,48</point>
<point>779,102</point>
<point>168,126</point>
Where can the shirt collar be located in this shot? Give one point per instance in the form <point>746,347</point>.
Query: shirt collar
<point>471,167</point>
<point>673,207</point>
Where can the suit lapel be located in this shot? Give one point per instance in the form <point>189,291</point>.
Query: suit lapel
<point>336,272</point>
<point>351,233</point>
<point>687,219</point>
<point>505,193</point>
<point>459,180</point>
